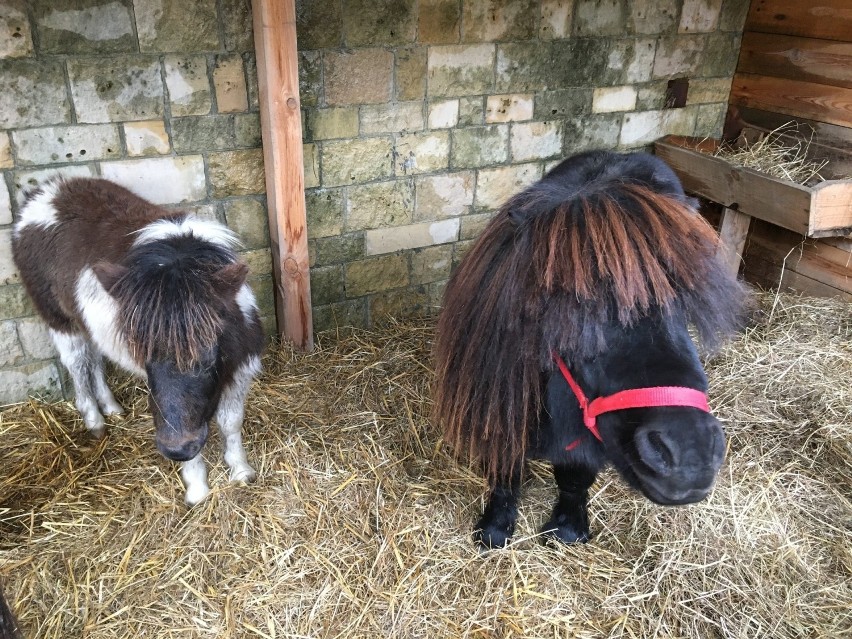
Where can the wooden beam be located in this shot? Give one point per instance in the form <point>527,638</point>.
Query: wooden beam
<point>829,19</point>
<point>281,125</point>
<point>733,235</point>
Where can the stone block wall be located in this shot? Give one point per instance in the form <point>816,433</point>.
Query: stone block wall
<point>158,96</point>
<point>422,116</point>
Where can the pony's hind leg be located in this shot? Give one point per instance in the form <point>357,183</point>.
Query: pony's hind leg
<point>78,356</point>
<point>194,475</point>
<point>495,527</point>
<point>229,416</point>
<point>104,395</point>
<point>569,522</point>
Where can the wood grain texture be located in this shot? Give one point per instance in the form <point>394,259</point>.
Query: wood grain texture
<point>733,234</point>
<point>274,24</point>
<point>828,19</point>
<point>796,58</point>
<point>799,99</point>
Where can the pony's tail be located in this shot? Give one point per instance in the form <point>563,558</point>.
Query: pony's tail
<point>488,380</point>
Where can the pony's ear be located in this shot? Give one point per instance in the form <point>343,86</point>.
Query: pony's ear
<point>228,279</point>
<point>108,273</point>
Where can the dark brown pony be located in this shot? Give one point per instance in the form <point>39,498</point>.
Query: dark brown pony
<point>8,624</point>
<point>605,263</point>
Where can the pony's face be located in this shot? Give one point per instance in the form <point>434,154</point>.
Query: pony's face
<point>182,402</point>
<point>670,454</point>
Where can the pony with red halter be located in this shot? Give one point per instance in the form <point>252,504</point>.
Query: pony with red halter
<point>564,336</point>
<point>160,293</point>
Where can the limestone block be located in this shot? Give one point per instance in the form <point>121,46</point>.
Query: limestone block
<point>188,85</point>
<point>40,378</point>
<point>319,25</point>
<point>480,146</point>
<point>252,87</point>
<point>409,302</point>
<point>471,111</point>
<point>457,70</point>
<point>11,352</point>
<point>644,127</point>
<point>353,161</point>
<point>436,294</point>
<point>443,114</point>
<point>611,99</point>
<point>653,17</point>
<point>398,238</point>
<point>236,173</point>
<point>710,119</point>
<point>679,55</point>
<point>497,20</point>
<point>247,218</point>
<point>600,17</point>
<point>16,38</point>
<point>167,27</point>
<point>704,90</point>
<point>583,62</point>
<point>324,212</point>
<point>398,117</point>
<point>327,284</point>
<point>5,203</point>
<point>237,25</point>
<point>652,96</point>
<point>27,180</point>
<point>247,131</point>
<point>536,140</point>
<point>431,264</point>
<point>50,145</point>
<point>523,67</point>
<point>438,21</point>
<point>32,93</point>
<point>166,180</point>
<point>379,205</point>
<point>379,22</point>
<point>495,186</point>
<point>331,124</point>
<point>203,133</point>
<point>721,52</point>
<point>562,103</point>
<point>259,261</point>
<point>411,73</point>
<point>8,271</point>
<point>699,16</point>
<point>361,77</point>
<point>443,196</point>
<point>639,59</point>
<point>73,27</point>
<point>424,152</point>
<point>114,89</point>
<point>341,315</point>
<point>556,19</point>
<point>310,162</point>
<point>376,274</point>
<point>733,15</point>
<point>473,225</point>
<point>5,151</point>
<point>146,138</point>
<point>338,249</point>
<point>35,339</point>
<point>508,108</point>
<point>14,302</point>
<point>229,83</point>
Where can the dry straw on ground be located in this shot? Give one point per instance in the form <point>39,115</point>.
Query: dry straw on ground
<point>360,523</point>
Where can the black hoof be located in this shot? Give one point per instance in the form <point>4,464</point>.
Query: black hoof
<point>490,535</point>
<point>552,531</point>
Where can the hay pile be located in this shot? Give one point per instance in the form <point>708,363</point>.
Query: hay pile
<point>360,523</point>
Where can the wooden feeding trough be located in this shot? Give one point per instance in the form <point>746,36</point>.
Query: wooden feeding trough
<point>823,210</point>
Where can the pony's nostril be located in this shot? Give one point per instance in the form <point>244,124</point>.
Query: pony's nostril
<point>655,451</point>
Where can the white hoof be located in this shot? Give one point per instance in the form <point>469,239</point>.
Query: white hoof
<point>95,425</point>
<point>243,473</point>
<point>196,494</point>
<point>112,408</point>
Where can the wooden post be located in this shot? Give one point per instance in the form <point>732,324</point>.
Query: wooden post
<point>733,234</point>
<point>281,125</point>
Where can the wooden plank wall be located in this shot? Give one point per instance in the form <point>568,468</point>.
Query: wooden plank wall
<point>796,64</point>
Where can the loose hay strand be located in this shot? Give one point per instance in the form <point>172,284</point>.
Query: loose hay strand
<point>359,525</point>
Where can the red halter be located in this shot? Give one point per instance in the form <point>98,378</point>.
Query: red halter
<point>632,398</point>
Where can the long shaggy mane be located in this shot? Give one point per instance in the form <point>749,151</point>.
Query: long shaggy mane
<point>555,265</point>
<point>170,307</point>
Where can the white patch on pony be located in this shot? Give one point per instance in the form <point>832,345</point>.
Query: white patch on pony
<point>99,311</point>
<point>194,475</point>
<point>229,416</point>
<point>207,230</point>
<point>247,302</point>
<point>39,210</point>
<point>76,355</point>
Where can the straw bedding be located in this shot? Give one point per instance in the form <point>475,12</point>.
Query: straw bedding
<point>359,525</point>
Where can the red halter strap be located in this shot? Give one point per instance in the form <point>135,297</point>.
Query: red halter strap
<point>633,398</point>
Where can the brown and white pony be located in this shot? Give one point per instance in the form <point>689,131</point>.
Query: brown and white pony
<point>564,336</point>
<point>160,293</point>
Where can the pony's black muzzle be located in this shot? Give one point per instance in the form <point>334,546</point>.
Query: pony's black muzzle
<point>181,448</point>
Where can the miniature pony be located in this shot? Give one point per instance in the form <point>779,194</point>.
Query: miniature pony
<point>563,336</point>
<point>160,293</point>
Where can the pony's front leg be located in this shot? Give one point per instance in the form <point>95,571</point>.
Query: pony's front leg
<point>194,475</point>
<point>77,355</point>
<point>104,395</point>
<point>495,527</point>
<point>569,522</point>
<point>229,416</point>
